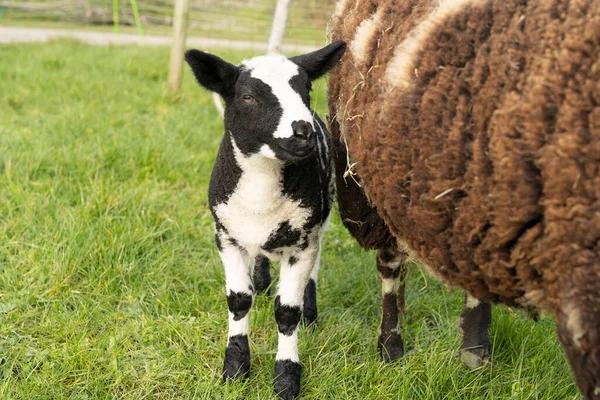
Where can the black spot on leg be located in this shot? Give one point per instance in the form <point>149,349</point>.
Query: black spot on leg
<point>292,260</point>
<point>239,304</point>
<point>309,313</point>
<point>284,236</point>
<point>237,357</point>
<point>287,317</point>
<point>287,379</point>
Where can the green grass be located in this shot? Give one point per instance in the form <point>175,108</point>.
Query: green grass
<point>110,283</point>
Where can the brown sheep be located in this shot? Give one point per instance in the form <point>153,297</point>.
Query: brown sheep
<point>474,127</point>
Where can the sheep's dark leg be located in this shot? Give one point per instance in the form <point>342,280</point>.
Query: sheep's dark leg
<point>238,285</point>
<point>261,277</point>
<point>578,328</point>
<point>392,270</point>
<point>309,310</point>
<point>475,326</point>
<point>294,275</point>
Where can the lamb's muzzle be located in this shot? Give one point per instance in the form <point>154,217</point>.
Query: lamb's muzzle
<point>302,143</point>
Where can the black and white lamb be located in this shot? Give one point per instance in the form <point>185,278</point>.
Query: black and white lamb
<point>270,194</point>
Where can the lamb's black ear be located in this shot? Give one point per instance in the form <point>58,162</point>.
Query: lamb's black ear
<point>317,63</point>
<point>211,72</point>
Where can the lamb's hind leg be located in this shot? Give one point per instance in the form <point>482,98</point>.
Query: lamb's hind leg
<point>261,276</point>
<point>309,310</point>
<point>238,285</point>
<point>578,328</point>
<point>392,270</point>
<point>475,326</point>
<point>288,311</point>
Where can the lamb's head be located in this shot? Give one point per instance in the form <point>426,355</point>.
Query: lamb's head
<point>267,99</point>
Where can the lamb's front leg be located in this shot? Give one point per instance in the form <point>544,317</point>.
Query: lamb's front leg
<point>288,311</point>
<point>238,283</point>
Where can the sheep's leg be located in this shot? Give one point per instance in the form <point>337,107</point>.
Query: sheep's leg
<point>238,286</point>
<point>578,329</point>
<point>392,271</point>
<point>261,276</point>
<point>294,276</point>
<point>309,311</point>
<point>475,326</point>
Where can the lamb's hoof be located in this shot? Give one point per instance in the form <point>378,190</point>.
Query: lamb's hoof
<point>237,358</point>
<point>287,379</point>
<point>475,358</point>
<point>390,347</point>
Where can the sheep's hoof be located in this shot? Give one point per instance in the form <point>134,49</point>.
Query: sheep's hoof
<point>287,379</point>
<point>237,358</point>
<point>475,358</point>
<point>390,347</point>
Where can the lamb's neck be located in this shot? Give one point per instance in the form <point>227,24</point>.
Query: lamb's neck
<point>260,183</point>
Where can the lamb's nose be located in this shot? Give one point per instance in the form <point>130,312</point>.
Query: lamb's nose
<point>302,129</point>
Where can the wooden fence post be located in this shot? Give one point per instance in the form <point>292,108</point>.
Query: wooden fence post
<point>179,36</point>
<point>278,27</point>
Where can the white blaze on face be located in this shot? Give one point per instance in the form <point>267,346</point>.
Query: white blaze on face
<point>276,72</point>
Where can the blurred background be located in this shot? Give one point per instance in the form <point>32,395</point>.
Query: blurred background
<point>247,20</point>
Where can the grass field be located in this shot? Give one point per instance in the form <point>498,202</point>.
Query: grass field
<point>110,282</point>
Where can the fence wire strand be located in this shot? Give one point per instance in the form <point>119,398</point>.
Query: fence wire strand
<point>248,20</point>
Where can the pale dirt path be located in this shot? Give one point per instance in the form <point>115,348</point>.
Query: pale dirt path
<point>16,34</point>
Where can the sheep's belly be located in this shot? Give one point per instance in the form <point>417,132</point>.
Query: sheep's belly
<point>252,226</point>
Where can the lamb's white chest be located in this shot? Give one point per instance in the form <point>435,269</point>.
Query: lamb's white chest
<point>256,209</point>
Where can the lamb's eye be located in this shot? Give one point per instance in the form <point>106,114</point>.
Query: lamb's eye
<point>248,99</point>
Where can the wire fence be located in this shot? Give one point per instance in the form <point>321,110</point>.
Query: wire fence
<point>248,20</point>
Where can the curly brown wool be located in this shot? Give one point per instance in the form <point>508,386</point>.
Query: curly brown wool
<point>475,129</point>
